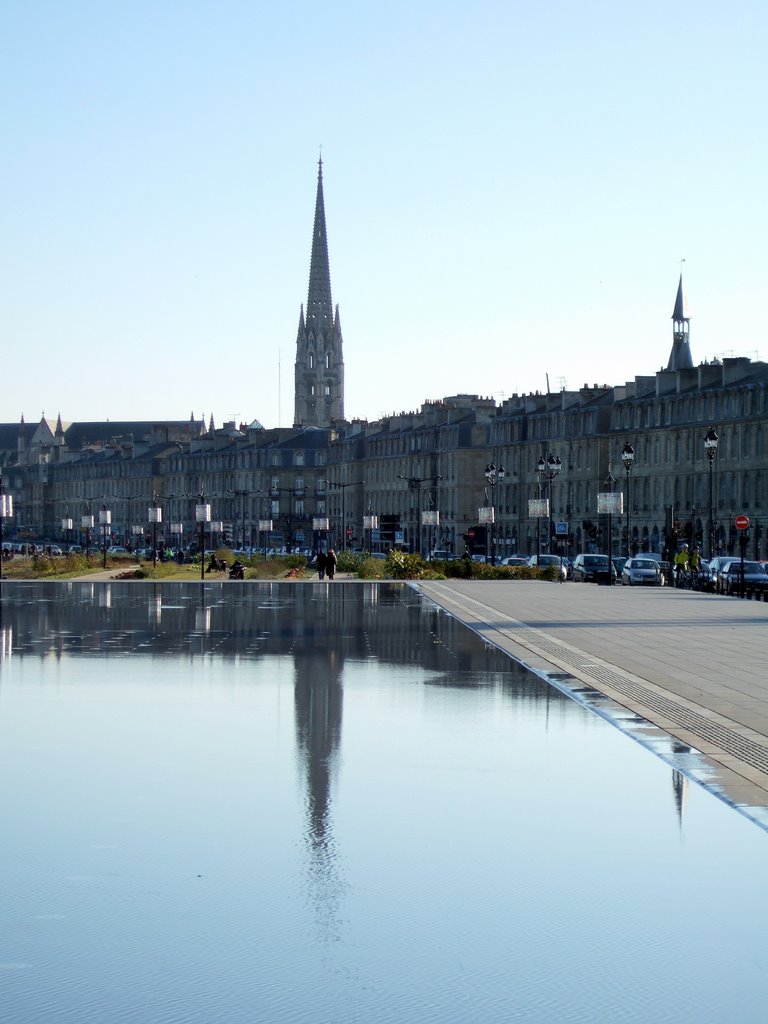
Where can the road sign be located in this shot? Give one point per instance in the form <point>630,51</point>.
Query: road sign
<point>742,522</point>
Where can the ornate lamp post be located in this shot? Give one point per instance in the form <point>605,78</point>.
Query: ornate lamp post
<point>336,485</point>
<point>710,447</point>
<point>155,516</point>
<point>547,469</point>
<point>414,484</point>
<point>105,521</point>
<point>6,511</point>
<point>202,516</point>
<point>628,458</point>
<point>494,476</point>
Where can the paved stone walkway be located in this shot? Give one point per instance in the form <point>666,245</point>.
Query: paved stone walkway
<point>695,665</point>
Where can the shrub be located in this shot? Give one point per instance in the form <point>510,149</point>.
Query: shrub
<point>348,561</point>
<point>402,566</point>
<point>371,569</point>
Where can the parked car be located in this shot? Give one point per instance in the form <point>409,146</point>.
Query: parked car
<point>754,577</point>
<point>619,562</point>
<point>117,549</point>
<point>544,561</point>
<point>514,560</point>
<point>592,569</point>
<point>716,566</point>
<point>441,555</point>
<point>642,572</point>
<point>703,579</point>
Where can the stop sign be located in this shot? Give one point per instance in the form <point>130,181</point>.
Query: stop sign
<point>742,522</point>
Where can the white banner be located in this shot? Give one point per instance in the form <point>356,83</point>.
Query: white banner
<point>430,518</point>
<point>202,513</point>
<point>538,508</point>
<point>610,503</point>
<point>486,514</point>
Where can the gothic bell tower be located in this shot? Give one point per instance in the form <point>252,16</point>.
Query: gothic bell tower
<point>319,371</point>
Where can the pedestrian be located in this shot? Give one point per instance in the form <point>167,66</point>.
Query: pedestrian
<point>330,563</point>
<point>322,561</point>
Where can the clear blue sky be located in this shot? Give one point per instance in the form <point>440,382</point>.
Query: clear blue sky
<point>509,190</point>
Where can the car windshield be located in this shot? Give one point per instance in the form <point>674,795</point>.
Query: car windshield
<point>645,563</point>
<point>596,560</point>
<point>748,567</point>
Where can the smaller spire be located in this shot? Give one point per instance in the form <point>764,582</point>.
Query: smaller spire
<point>680,311</point>
<point>680,357</point>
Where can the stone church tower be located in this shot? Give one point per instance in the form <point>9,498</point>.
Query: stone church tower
<point>319,379</point>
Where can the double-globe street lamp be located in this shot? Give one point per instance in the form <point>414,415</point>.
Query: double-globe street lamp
<point>335,485</point>
<point>414,484</point>
<point>548,469</point>
<point>628,458</point>
<point>494,475</point>
<point>710,447</point>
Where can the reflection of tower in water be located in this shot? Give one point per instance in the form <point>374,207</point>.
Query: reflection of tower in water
<point>680,790</point>
<point>318,697</point>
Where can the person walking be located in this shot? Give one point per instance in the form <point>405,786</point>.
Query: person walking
<point>330,563</point>
<point>322,562</point>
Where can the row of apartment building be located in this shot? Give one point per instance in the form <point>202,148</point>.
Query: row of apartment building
<point>419,479</point>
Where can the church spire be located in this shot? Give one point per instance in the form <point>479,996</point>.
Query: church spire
<point>680,357</point>
<point>319,305</point>
<point>319,368</point>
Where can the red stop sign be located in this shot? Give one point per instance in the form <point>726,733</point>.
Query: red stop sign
<point>742,522</point>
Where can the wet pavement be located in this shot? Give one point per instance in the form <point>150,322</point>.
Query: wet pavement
<point>692,664</point>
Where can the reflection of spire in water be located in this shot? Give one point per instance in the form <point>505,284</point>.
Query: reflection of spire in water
<point>680,788</point>
<point>318,704</point>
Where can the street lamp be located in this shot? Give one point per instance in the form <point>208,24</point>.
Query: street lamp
<point>6,511</point>
<point>628,458</point>
<point>155,516</point>
<point>343,488</point>
<point>202,516</point>
<point>105,520</point>
<point>242,495</point>
<point>547,469</point>
<point>494,476</point>
<point>414,484</point>
<point>710,447</point>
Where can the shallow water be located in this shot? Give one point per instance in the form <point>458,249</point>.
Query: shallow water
<point>312,803</point>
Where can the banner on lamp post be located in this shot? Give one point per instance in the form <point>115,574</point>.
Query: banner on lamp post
<point>430,518</point>
<point>610,503</point>
<point>486,515</point>
<point>538,508</point>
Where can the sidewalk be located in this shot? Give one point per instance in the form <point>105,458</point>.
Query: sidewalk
<point>695,665</point>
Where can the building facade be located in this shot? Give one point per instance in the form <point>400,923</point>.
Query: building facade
<point>419,476</point>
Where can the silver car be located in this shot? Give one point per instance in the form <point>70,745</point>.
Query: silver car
<point>642,572</point>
